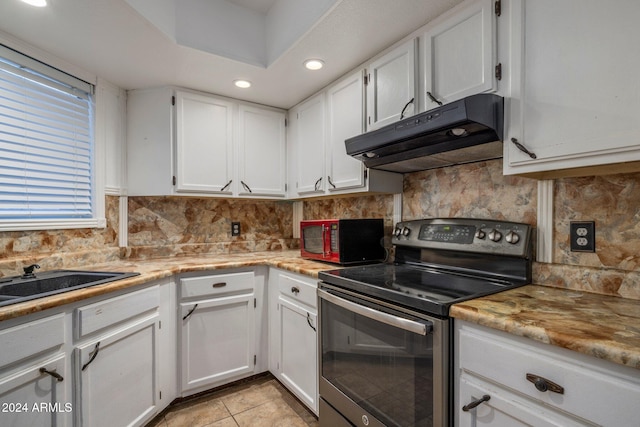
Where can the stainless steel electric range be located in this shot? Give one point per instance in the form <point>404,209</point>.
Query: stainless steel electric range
<point>385,331</point>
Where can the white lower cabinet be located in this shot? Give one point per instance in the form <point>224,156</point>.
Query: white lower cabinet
<point>293,334</point>
<point>116,359</point>
<point>117,376</point>
<point>36,395</point>
<point>506,380</point>
<point>89,363</point>
<point>219,333</point>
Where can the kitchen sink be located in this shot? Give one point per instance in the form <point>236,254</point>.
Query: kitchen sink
<point>18,289</point>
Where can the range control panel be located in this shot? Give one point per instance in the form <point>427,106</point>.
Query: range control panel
<point>461,234</point>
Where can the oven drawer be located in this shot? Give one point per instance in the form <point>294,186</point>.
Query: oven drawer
<point>587,387</point>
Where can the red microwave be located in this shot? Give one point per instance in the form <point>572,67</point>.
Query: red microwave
<point>342,241</point>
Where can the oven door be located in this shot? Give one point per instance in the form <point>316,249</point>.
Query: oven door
<point>381,365</point>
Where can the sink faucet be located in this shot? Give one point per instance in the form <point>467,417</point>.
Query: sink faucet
<point>28,271</point>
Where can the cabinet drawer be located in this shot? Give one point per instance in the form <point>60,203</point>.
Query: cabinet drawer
<point>299,289</point>
<point>93,317</point>
<point>31,339</point>
<point>216,284</point>
<point>593,389</point>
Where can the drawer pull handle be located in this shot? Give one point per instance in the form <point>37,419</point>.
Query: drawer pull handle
<point>295,290</point>
<point>54,374</point>
<point>186,316</point>
<point>219,285</point>
<point>543,384</point>
<point>475,403</point>
<point>309,322</point>
<point>523,149</point>
<point>93,354</point>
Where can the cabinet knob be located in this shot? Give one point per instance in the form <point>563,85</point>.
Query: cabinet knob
<point>543,384</point>
<point>295,290</point>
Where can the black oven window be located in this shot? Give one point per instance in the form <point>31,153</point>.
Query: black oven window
<point>385,370</point>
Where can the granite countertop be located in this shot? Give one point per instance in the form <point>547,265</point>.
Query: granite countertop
<point>158,268</point>
<point>601,326</point>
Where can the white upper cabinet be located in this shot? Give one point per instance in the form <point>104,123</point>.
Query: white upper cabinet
<point>204,143</point>
<point>111,106</point>
<point>391,86</point>
<point>345,107</point>
<point>458,55</point>
<point>318,131</point>
<point>261,152</point>
<point>308,132</point>
<point>181,142</point>
<point>575,96</point>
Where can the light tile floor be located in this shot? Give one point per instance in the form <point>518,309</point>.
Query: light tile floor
<point>262,402</point>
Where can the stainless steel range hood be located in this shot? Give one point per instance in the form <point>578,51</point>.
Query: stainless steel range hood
<point>463,131</point>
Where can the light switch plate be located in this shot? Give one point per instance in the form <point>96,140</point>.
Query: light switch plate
<point>582,235</point>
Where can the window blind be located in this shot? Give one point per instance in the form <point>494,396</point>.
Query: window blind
<point>46,142</point>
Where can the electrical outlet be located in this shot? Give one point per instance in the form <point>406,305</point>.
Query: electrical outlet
<point>235,228</point>
<point>583,236</point>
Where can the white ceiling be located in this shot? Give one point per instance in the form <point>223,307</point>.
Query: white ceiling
<point>260,6</point>
<point>112,39</point>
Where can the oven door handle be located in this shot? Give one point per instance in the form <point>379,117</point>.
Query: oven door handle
<point>399,322</point>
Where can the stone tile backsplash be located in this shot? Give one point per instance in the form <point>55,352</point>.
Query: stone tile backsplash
<point>183,226</point>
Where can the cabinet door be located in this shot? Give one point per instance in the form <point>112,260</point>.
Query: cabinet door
<point>261,152</point>
<point>575,100</point>
<point>345,105</point>
<point>310,143</point>
<point>31,397</point>
<point>218,342</point>
<point>459,55</point>
<point>204,143</point>
<point>298,352</point>
<point>391,86</point>
<point>117,377</point>
<point>150,142</point>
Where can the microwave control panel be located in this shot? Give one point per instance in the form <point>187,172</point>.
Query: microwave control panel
<point>334,239</point>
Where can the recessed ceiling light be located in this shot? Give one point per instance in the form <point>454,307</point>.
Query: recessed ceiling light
<point>36,3</point>
<point>244,84</point>
<point>314,64</point>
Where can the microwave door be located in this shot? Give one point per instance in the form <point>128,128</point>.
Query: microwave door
<point>315,240</point>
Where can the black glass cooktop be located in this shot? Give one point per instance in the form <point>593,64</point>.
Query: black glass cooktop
<point>420,288</point>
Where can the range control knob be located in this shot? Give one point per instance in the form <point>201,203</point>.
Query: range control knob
<point>480,234</point>
<point>406,231</point>
<point>512,237</point>
<point>495,235</point>
<point>397,231</point>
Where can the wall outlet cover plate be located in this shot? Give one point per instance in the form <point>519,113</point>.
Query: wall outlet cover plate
<point>582,236</point>
<point>235,228</point>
